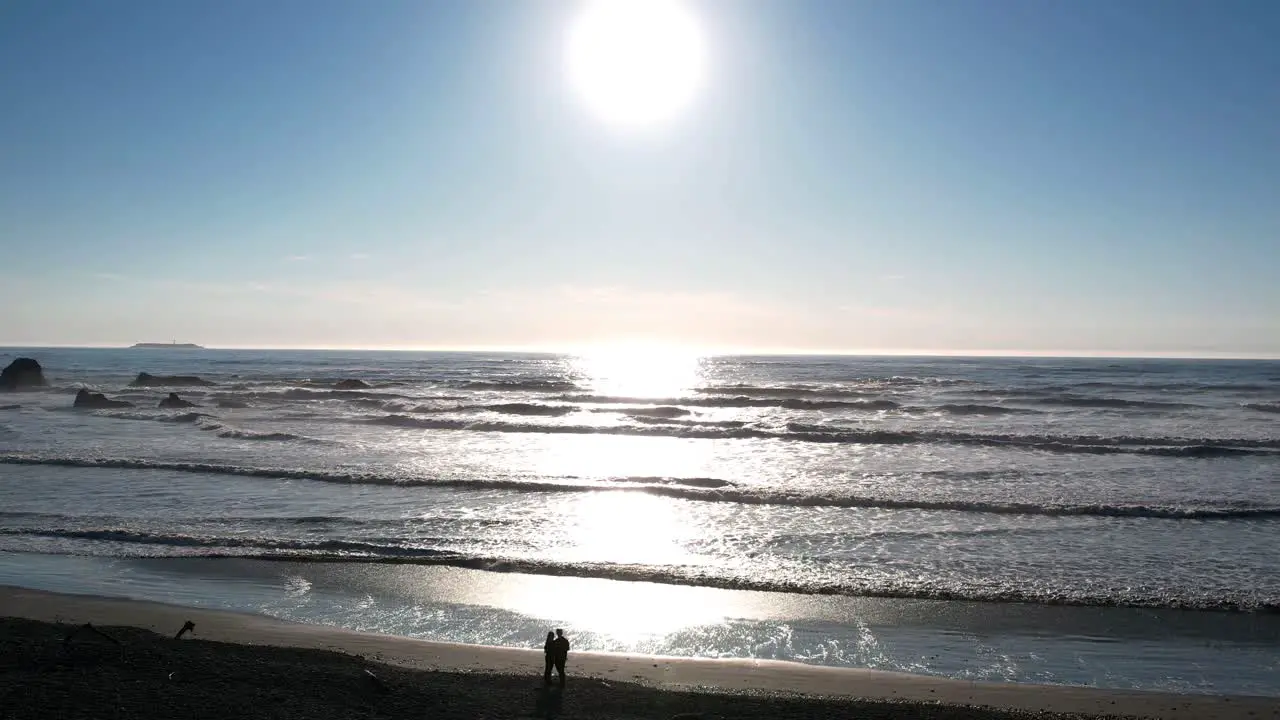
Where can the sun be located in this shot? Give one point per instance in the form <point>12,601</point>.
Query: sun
<point>636,62</point>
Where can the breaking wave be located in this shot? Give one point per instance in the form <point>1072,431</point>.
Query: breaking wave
<point>800,432</point>
<point>211,423</point>
<point>659,412</point>
<point>700,489</point>
<point>308,394</point>
<point>525,409</point>
<point>543,386</point>
<point>413,552</point>
<point>686,423</point>
<point>1080,401</point>
<point>975,409</point>
<point>736,401</point>
<point>237,434</point>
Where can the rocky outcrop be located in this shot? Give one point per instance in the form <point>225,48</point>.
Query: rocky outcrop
<point>22,374</point>
<point>173,402</point>
<point>97,401</point>
<point>149,380</point>
<point>352,385</point>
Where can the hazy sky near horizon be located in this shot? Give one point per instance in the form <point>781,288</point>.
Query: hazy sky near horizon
<point>913,175</point>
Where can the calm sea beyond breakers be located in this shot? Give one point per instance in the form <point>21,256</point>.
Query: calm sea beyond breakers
<point>1100,522</point>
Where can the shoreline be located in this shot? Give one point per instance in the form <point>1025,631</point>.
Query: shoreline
<point>660,673</point>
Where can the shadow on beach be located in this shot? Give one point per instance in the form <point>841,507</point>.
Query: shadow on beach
<point>548,702</point>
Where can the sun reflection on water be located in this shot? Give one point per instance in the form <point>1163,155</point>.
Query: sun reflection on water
<point>640,371</point>
<point>622,458</point>
<point>624,528</point>
<point>628,529</point>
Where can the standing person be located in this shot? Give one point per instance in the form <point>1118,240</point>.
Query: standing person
<point>561,654</point>
<point>549,651</point>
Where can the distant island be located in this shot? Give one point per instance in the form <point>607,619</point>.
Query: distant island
<point>169,346</point>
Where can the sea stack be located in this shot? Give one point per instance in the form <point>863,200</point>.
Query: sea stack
<point>86,400</point>
<point>149,380</point>
<point>173,402</point>
<point>22,374</point>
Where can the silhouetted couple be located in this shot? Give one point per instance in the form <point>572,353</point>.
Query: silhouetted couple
<point>557,652</point>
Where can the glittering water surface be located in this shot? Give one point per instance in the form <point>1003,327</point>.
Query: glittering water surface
<point>1121,486</point>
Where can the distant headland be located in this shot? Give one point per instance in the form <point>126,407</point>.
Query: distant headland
<point>168,346</point>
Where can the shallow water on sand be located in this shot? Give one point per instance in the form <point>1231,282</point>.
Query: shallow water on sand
<point>1108,647</point>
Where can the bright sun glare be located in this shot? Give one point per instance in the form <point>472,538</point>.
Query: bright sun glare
<point>640,370</point>
<point>636,62</point>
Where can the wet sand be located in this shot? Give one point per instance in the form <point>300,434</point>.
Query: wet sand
<point>250,666</point>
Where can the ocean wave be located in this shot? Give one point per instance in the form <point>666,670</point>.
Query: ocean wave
<point>422,405</point>
<point>157,416</point>
<point>273,521</point>
<point>211,423</point>
<point>1081,401</point>
<point>736,401</point>
<point>973,409</point>
<point>644,419</point>
<point>369,398</point>
<point>1187,386</point>
<point>694,482</point>
<point>1204,448</point>
<point>788,391</point>
<point>237,434</point>
<point>372,478</point>
<point>308,394</point>
<point>1264,407</point>
<point>1004,392</point>
<point>542,386</point>
<point>343,383</point>
<point>663,429</point>
<point>525,409</point>
<point>401,552</point>
<point>698,489</point>
<point>514,408</point>
<point>659,412</point>
<point>836,434</point>
<point>266,544</point>
<point>189,417</point>
<point>854,388</point>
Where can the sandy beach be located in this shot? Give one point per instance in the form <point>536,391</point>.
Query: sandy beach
<point>485,681</point>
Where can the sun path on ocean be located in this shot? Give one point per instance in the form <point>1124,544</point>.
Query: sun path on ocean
<point>636,63</point>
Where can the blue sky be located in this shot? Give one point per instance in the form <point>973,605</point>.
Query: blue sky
<point>920,176</point>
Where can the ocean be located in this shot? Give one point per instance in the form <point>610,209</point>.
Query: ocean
<point>1103,522</point>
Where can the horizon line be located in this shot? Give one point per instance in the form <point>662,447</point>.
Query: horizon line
<point>582,349</point>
